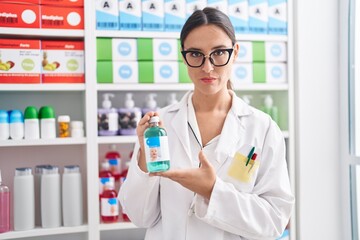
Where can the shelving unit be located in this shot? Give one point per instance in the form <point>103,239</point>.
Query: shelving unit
<point>83,103</point>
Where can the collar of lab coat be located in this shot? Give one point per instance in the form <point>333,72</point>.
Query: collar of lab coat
<point>231,132</point>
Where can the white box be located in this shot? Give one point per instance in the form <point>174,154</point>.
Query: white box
<point>152,15</point>
<point>165,49</point>
<point>275,52</point>
<point>175,15</point>
<point>124,49</point>
<point>277,17</point>
<point>239,15</point>
<point>242,73</point>
<point>166,72</point>
<point>130,14</point>
<point>193,5</point>
<point>125,72</point>
<point>107,14</point>
<point>258,16</point>
<point>221,5</point>
<point>245,52</point>
<point>276,73</point>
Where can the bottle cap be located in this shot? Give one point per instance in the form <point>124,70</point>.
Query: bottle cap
<point>22,171</point>
<point>109,185</point>
<point>4,116</point>
<point>46,112</point>
<point>71,169</point>
<point>51,170</point>
<point>39,169</point>
<point>154,119</point>
<point>16,116</point>
<point>63,118</point>
<point>77,124</point>
<point>31,113</point>
<point>106,102</point>
<point>150,101</point>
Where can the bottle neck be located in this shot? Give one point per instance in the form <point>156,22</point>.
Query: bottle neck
<point>154,124</point>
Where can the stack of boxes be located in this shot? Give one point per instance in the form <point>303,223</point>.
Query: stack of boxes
<point>142,60</point>
<point>260,62</point>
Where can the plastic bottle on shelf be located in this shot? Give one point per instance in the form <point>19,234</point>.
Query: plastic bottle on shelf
<point>37,186</point>
<point>50,198</point>
<point>4,125</point>
<point>105,176</point>
<point>107,117</point>
<point>109,204</point>
<point>47,122</point>
<point>64,126</point>
<point>269,107</point>
<point>129,116</point>
<point>24,205</point>
<point>72,201</point>
<point>77,129</point>
<point>122,179</point>
<point>156,147</point>
<point>171,99</point>
<point>16,125</point>
<point>114,159</point>
<point>4,207</point>
<point>150,104</point>
<point>32,128</point>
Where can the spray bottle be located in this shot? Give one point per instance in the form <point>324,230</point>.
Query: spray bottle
<point>107,117</point>
<point>4,207</point>
<point>150,104</point>
<point>129,116</point>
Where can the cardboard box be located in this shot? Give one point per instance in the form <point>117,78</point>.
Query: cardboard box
<point>166,49</point>
<point>269,73</point>
<point>125,72</point>
<point>245,52</point>
<point>275,52</point>
<point>242,73</point>
<point>130,14</point>
<point>152,15</point>
<point>62,62</point>
<point>183,73</point>
<point>63,3</point>
<point>239,15</point>
<point>62,17</point>
<point>277,17</point>
<point>258,16</point>
<point>221,5</point>
<point>175,15</point>
<point>146,72</point>
<point>107,14</point>
<point>166,72</point>
<point>22,1</point>
<point>20,61</point>
<point>19,15</point>
<point>193,5</point>
<point>104,72</point>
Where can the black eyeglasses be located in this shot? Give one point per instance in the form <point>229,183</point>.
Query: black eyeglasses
<point>218,57</point>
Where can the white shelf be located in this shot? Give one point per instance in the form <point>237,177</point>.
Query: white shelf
<point>43,232</point>
<point>117,226</point>
<point>42,142</point>
<point>36,32</point>
<point>144,34</point>
<point>116,139</point>
<point>186,87</point>
<point>43,87</point>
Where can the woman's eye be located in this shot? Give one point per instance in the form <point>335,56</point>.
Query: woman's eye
<point>196,54</point>
<point>218,52</point>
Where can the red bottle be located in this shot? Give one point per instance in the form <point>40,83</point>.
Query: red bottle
<point>122,179</point>
<point>109,204</point>
<point>105,176</point>
<point>114,159</point>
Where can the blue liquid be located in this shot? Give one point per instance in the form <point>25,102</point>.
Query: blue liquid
<point>158,166</point>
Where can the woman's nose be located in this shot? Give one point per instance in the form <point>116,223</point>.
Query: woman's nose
<point>208,66</point>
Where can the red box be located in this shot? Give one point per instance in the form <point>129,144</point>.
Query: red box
<point>19,15</point>
<point>62,62</point>
<point>62,17</point>
<point>22,1</point>
<point>20,61</point>
<point>63,3</point>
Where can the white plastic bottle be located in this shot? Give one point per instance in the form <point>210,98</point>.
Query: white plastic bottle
<point>129,116</point>
<point>47,122</point>
<point>24,206</point>
<point>37,186</point>
<point>150,104</point>
<point>108,117</point>
<point>77,129</point>
<point>171,99</point>
<point>4,125</point>
<point>72,203</point>
<point>50,198</point>
<point>32,129</point>
<point>16,125</point>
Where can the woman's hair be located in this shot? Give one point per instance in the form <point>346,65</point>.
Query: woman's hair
<point>208,16</point>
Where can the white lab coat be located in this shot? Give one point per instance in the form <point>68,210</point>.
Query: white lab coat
<point>259,209</point>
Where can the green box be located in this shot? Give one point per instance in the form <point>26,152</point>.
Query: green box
<point>104,49</point>
<point>146,72</point>
<point>258,51</point>
<point>183,73</point>
<point>145,49</point>
<point>259,73</point>
<point>104,72</point>
<point>180,58</point>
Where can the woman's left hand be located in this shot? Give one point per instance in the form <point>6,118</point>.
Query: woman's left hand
<point>199,180</point>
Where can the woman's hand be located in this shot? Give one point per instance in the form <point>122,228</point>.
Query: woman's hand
<point>199,180</point>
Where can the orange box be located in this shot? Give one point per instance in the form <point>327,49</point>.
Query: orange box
<point>62,17</point>
<point>20,61</point>
<point>63,3</point>
<point>19,15</point>
<point>62,61</point>
<point>22,1</point>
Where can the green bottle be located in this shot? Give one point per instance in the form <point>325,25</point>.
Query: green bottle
<point>156,147</point>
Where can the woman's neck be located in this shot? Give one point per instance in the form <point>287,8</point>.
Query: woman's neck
<point>220,101</point>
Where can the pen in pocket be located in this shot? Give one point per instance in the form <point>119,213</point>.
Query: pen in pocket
<point>252,162</point>
<point>250,155</point>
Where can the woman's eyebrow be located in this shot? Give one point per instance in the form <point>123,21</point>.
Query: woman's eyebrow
<point>214,48</point>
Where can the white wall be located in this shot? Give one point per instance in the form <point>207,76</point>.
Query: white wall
<point>317,119</point>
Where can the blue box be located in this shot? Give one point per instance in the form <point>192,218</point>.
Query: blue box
<point>277,17</point>
<point>258,16</point>
<point>107,15</point>
<point>130,15</point>
<point>239,15</point>
<point>174,15</point>
<point>152,15</point>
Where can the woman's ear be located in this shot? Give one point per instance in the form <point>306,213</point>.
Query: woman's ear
<point>236,50</point>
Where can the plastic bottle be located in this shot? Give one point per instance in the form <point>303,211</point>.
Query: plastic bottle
<point>122,179</point>
<point>109,204</point>
<point>107,117</point>
<point>156,147</point>
<point>37,186</point>
<point>47,122</point>
<point>247,99</point>
<point>114,159</point>
<point>32,128</point>
<point>4,207</point>
<point>150,104</point>
<point>64,126</point>
<point>24,206</point>
<point>104,177</point>
<point>171,99</point>
<point>129,116</point>
<point>77,129</point>
<point>269,108</point>
<point>16,125</point>
<point>50,198</point>
<point>4,125</point>
<point>72,199</point>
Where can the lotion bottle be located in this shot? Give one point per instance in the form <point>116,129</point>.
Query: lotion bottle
<point>129,116</point>
<point>107,117</point>
<point>16,125</point>
<point>269,107</point>
<point>32,129</point>
<point>150,104</point>
<point>4,125</point>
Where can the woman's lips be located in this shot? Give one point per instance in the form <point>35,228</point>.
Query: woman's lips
<point>208,79</point>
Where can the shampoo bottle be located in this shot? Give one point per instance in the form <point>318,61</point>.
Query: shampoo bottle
<point>105,176</point>
<point>156,147</point>
<point>114,159</point>
<point>37,186</point>
<point>109,204</point>
<point>269,107</point>
<point>107,117</point>
<point>32,129</point>
<point>16,125</point>
<point>4,207</point>
<point>4,125</point>
<point>129,116</point>
<point>150,104</point>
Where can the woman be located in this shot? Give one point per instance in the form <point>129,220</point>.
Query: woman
<point>228,176</point>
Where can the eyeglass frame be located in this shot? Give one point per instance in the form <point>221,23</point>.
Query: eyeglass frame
<point>229,50</point>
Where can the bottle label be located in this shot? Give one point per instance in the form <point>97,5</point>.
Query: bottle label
<point>103,181</point>
<point>115,165</point>
<point>109,207</point>
<point>156,149</point>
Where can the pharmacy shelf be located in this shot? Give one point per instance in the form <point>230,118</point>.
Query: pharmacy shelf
<point>42,142</point>
<point>176,35</point>
<point>43,232</point>
<point>117,226</point>
<point>43,87</point>
<point>186,87</point>
<point>40,33</point>
<point>116,139</point>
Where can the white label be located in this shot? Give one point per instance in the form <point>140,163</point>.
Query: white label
<point>109,207</point>
<point>156,149</point>
<point>103,181</point>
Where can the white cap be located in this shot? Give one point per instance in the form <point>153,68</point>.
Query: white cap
<point>64,118</point>
<point>154,119</point>
<point>129,102</point>
<point>106,102</point>
<point>51,170</point>
<point>22,171</point>
<point>71,169</point>
<point>77,124</point>
<point>268,101</point>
